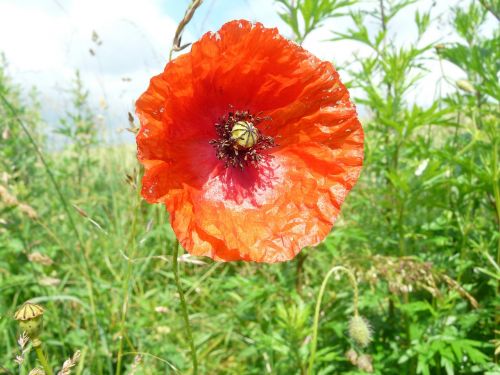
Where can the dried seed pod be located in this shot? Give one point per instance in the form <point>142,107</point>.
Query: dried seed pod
<point>365,363</point>
<point>352,356</point>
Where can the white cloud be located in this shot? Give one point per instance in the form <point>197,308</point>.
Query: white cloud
<point>45,41</point>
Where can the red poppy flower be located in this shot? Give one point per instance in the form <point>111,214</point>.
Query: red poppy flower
<point>251,143</point>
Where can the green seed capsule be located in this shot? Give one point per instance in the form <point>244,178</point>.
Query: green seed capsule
<point>30,318</point>
<point>245,134</point>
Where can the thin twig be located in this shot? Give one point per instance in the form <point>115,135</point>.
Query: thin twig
<point>176,45</point>
<point>489,8</point>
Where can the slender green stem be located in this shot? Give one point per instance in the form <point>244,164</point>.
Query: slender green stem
<point>354,284</point>
<point>126,286</point>
<point>184,307</point>
<point>496,194</point>
<point>43,360</point>
<point>496,191</point>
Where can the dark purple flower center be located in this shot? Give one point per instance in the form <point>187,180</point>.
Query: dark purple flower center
<point>240,143</point>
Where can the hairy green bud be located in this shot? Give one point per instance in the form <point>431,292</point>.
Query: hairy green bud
<point>360,331</point>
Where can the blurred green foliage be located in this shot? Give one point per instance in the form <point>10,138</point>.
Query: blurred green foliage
<point>421,228</point>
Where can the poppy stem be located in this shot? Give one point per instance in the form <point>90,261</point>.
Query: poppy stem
<point>43,359</point>
<point>354,284</point>
<point>184,307</point>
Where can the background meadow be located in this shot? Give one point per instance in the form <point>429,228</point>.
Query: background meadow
<point>420,230</point>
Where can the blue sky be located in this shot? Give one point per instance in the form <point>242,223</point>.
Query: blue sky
<point>45,41</point>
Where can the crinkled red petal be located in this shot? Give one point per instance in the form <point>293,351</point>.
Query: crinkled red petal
<point>291,200</point>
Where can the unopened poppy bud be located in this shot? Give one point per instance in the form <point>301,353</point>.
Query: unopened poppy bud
<point>365,363</point>
<point>245,134</point>
<point>352,356</point>
<point>30,318</point>
<point>465,85</point>
<point>360,331</point>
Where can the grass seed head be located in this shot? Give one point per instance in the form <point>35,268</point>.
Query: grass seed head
<point>36,371</point>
